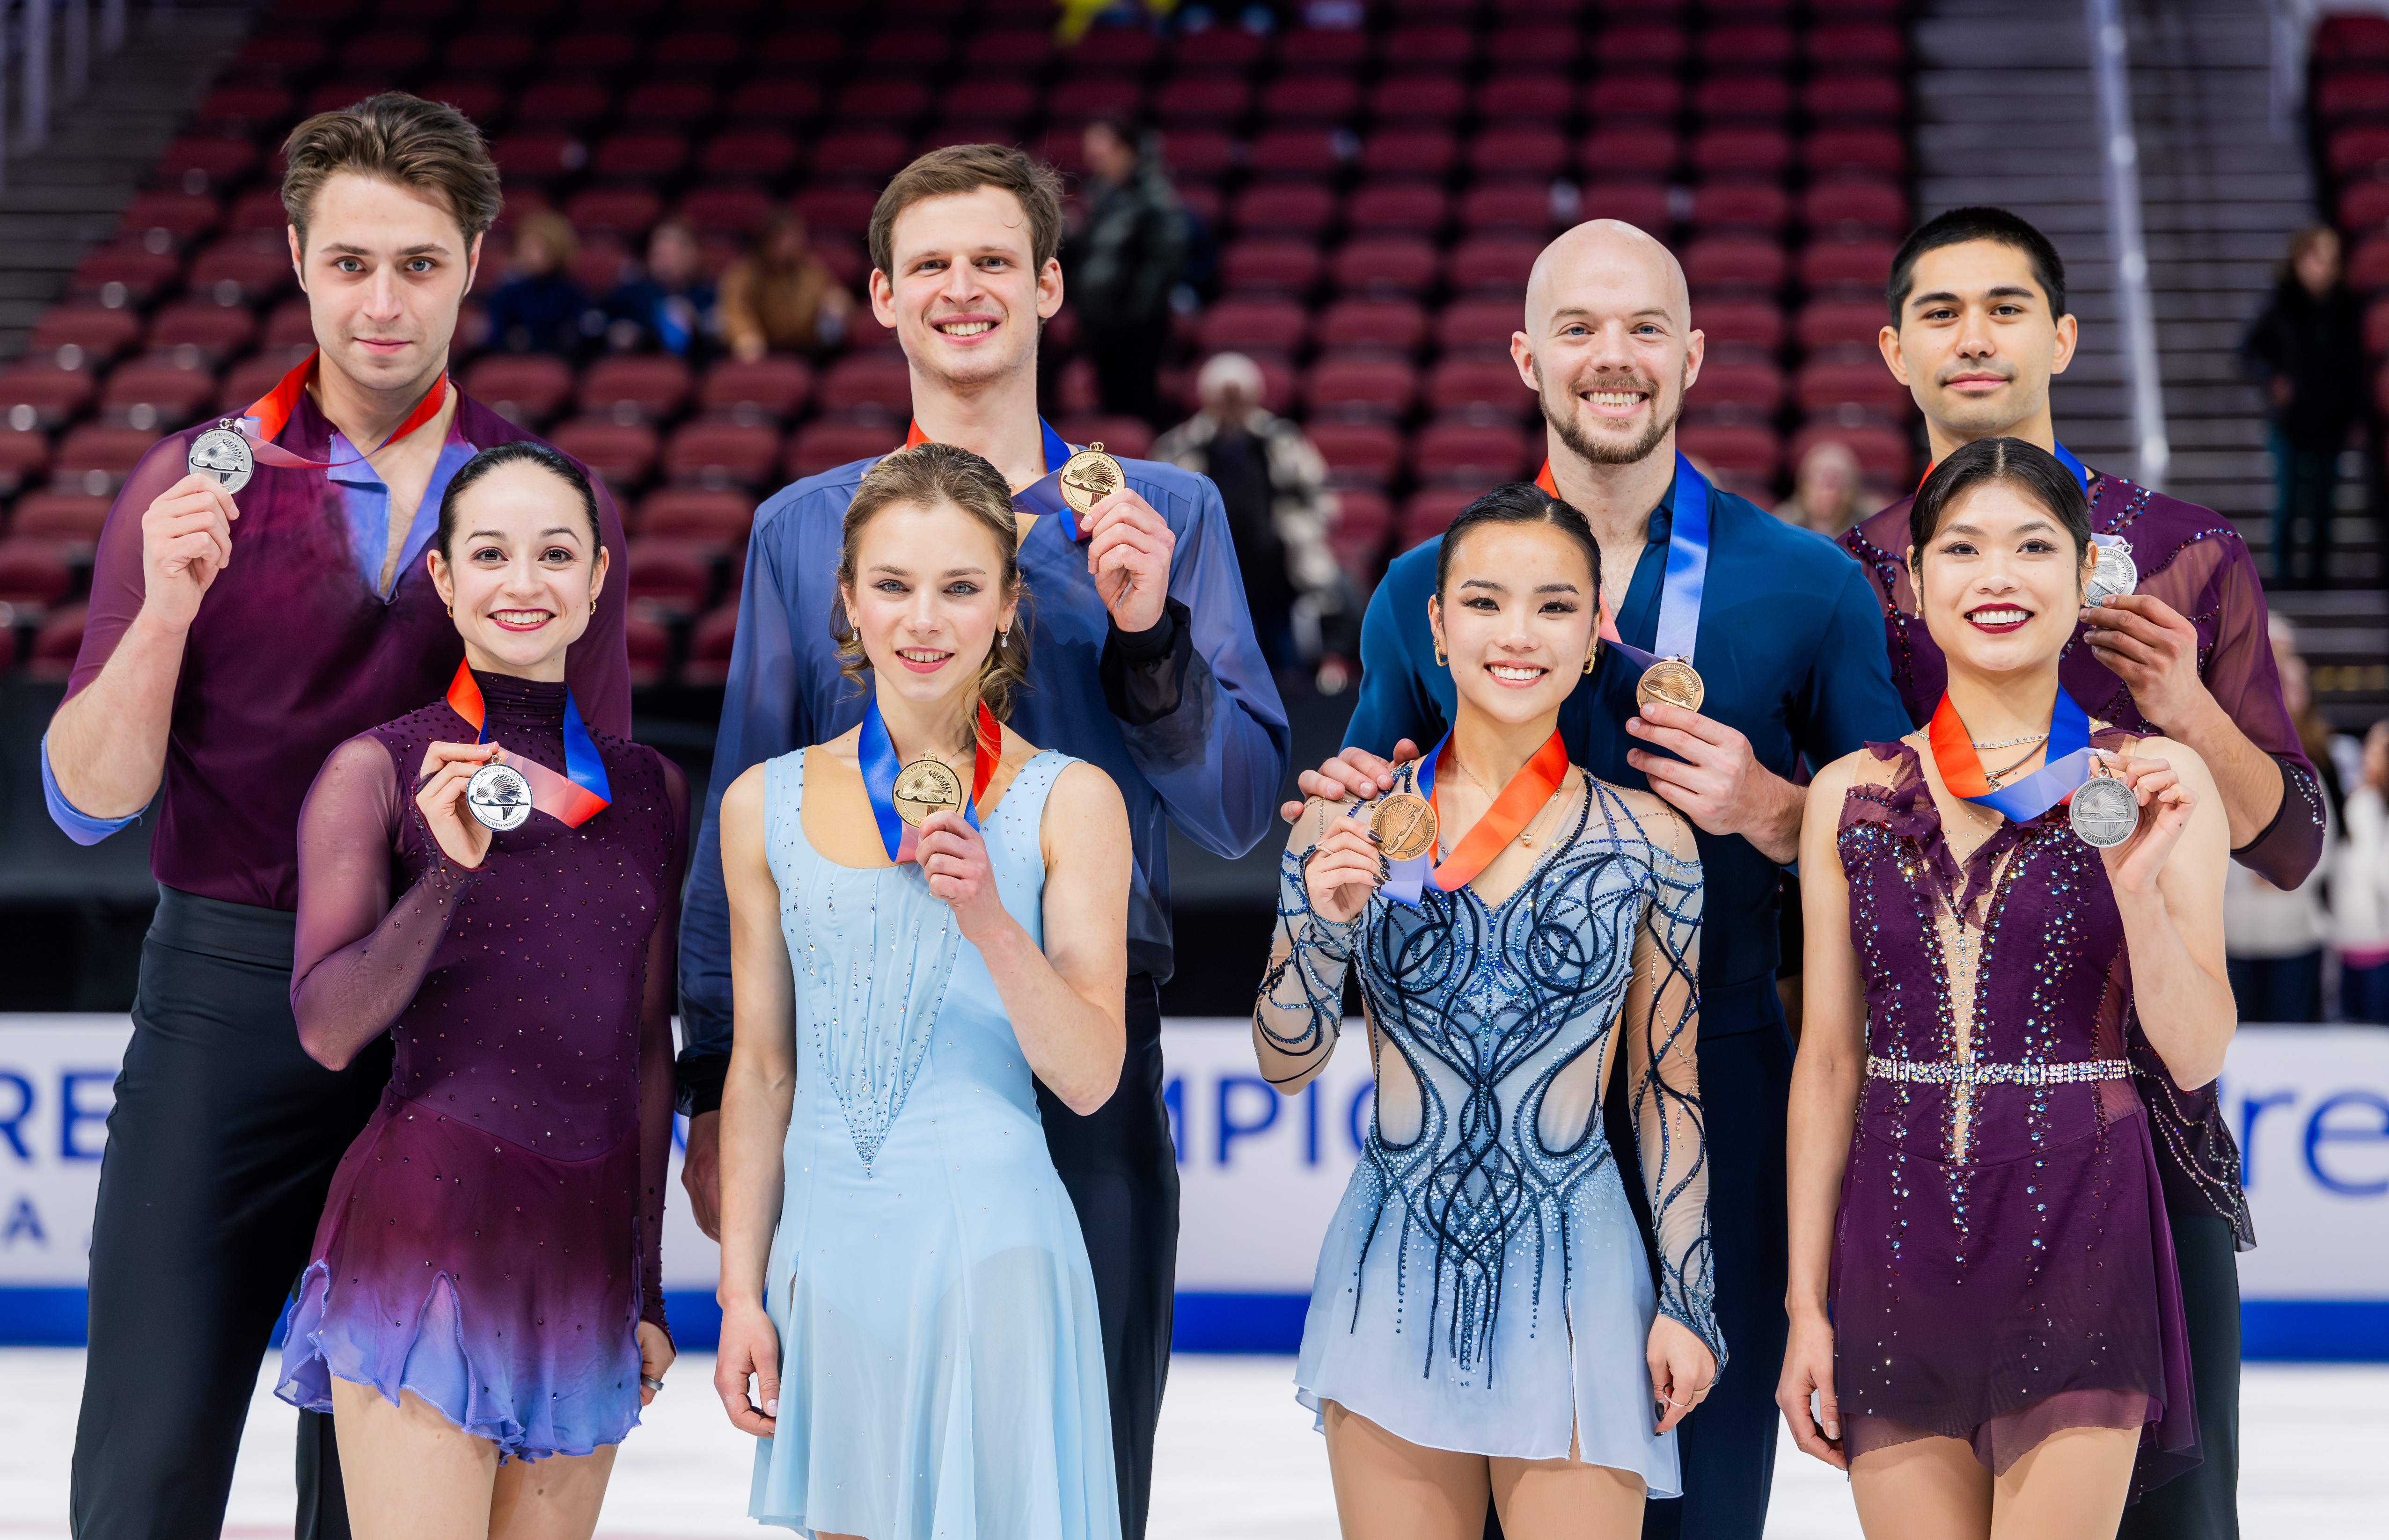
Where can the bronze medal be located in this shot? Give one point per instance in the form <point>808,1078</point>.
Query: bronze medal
<point>925,786</point>
<point>1089,477</point>
<point>1672,679</point>
<point>1405,825</point>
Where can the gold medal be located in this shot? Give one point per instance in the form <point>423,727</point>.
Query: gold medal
<point>1672,679</point>
<point>925,786</point>
<point>1405,825</point>
<point>1089,477</point>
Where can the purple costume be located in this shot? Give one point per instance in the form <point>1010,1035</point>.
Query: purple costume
<point>490,1239</point>
<point>2002,1269</point>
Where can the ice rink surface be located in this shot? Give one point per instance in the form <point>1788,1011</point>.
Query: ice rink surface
<point>1237,1460</point>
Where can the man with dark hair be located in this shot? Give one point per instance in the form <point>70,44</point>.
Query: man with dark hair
<point>1142,659</point>
<point>1978,326</point>
<point>240,630</point>
<point>1791,669</point>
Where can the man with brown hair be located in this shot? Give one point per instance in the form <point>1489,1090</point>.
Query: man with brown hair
<point>1142,659</point>
<point>241,628</point>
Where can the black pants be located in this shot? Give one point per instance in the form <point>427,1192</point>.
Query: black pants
<point>1122,1174</point>
<point>220,1149</point>
<point>2203,1503</point>
<point>2277,988</point>
<point>2306,484</point>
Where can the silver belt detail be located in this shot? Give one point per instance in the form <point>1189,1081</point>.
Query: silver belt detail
<point>1945,1072</point>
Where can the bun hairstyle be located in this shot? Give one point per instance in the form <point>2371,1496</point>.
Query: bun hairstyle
<point>518,451</point>
<point>929,475</point>
<point>2029,468</point>
<point>1518,503</point>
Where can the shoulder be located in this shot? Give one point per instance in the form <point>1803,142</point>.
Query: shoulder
<point>1178,495</point>
<point>1410,575</point>
<point>801,503</point>
<point>1836,779</point>
<point>1084,813</point>
<point>1739,524</point>
<point>2186,761</point>
<point>1662,825</point>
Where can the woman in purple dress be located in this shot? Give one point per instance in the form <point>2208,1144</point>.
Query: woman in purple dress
<point>1984,1301</point>
<point>484,1290</point>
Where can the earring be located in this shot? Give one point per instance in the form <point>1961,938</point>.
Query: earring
<point>1591,656</point>
<point>1440,661</point>
<point>451,612</point>
<point>592,603</point>
<point>1003,638</point>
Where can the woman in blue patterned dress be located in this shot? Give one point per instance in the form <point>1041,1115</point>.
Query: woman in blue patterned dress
<point>903,1273</point>
<point>1484,1321</point>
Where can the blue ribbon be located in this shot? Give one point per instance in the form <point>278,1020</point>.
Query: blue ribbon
<point>1688,568</point>
<point>1404,878</point>
<point>1044,494</point>
<point>877,753</point>
<point>582,764</point>
<point>2081,472</point>
<point>2069,764</point>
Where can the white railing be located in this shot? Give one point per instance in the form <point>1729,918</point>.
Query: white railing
<point>2124,240</point>
<point>50,42</point>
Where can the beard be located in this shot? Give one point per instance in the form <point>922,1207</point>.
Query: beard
<point>1563,420</point>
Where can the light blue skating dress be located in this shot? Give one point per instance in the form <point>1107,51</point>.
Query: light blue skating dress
<point>1484,1286</point>
<point>941,1360</point>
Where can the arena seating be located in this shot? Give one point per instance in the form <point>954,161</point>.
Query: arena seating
<point>1374,197</point>
<point>2348,99</point>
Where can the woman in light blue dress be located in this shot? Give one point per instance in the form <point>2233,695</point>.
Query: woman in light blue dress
<point>1484,1321</point>
<point>903,1276</point>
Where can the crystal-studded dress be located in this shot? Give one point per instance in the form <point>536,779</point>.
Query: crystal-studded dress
<point>1483,1285</point>
<point>492,1238</point>
<point>2001,1264</point>
<point>942,1359</point>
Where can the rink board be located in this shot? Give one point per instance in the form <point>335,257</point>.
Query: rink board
<point>1261,1175</point>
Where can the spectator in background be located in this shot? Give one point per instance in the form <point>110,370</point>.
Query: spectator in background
<point>2306,352</point>
<point>1121,266</point>
<point>781,297</point>
<point>538,309</point>
<point>669,308</point>
<point>2273,937</point>
<point>1825,493</point>
<point>2359,888</point>
<point>1280,510</point>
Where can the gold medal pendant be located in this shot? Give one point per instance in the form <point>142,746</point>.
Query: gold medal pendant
<point>1405,825</point>
<point>1089,477</point>
<point>925,786</point>
<point>1672,679</point>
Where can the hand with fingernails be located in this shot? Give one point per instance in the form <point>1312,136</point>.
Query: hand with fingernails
<point>1808,1370</point>
<point>439,793</point>
<point>185,542</point>
<point>2153,650</point>
<point>1344,870</point>
<point>655,1354</point>
<point>1128,548</point>
<point>952,855</point>
<point>1356,775</point>
<point>2166,805</point>
<point>749,1347</point>
<point>1683,1370</point>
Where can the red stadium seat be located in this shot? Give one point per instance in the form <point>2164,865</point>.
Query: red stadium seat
<point>1753,206</point>
<point>703,53</point>
<point>1386,264</point>
<point>875,383</point>
<point>525,388</point>
<point>1357,453</point>
<point>36,396</point>
<point>1470,384</point>
<point>537,156</point>
<point>1547,46</point>
<point>238,271</point>
<point>24,461</point>
<point>1846,264</point>
<point>593,50</point>
<point>1246,323</point>
<point>155,397</point>
<point>1387,325</point>
<point>1629,151</point>
<point>1645,205</point>
<point>73,517</point>
<point>568,103</point>
<point>1460,451</point>
<point>1397,209</point>
<point>129,274</point>
<point>1209,101</point>
<point>735,211</point>
<point>1478,326</point>
<point>1431,510</point>
<point>1850,325</point>
<point>1887,456</point>
<point>2368,265</point>
<point>1130,437</point>
<point>1825,384</point>
<point>218,332</point>
<point>1750,388</point>
<point>1121,49</point>
<point>675,104</point>
<point>95,332</point>
<point>99,458</point>
<point>1854,207</point>
<point>184,216</point>
<point>1423,152</point>
<point>259,214</point>
<point>719,452</point>
<point>775,388</point>
<point>1087,96</point>
<point>253,108</point>
<point>1745,452</point>
<point>648,640</point>
<point>216,160</point>
<point>2363,205</point>
<point>1619,99</point>
<point>1854,98</point>
<point>635,389</point>
<point>1534,154</point>
<point>1285,209</point>
<point>249,380</point>
<point>55,644</point>
<point>756,152</point>
<point>1322,51</point>
<point>1493,265</point>
<point>1295,152</point>
<point>603,262</point>
<point>1441,48</point>
<point>1513,207</point>
<point>623,454</point>
<point>1367,385</point>
<point>837,209</point>
<point>775,100</point>
<point>495,51</point>
<point>670,579</point>
<point>389,51</point>
<point>872,154</point>
<point>1310,101</point>
<point>1839,151</point>
<point>2360,151</point>
<point>710,645</point>
<point>34,573</point>
<point>1540,101</point>
<point>1199,152</point>
<point>1413,99</point>
<point>1857,45</point>
<point>1742,151</point>
<point>1632,46</point>
<point>1021,49</point>
<point>998,100</point>
<point>1721,99</point>
<point>830,443</point>
<point>1748,48</point>
<point>1220,49</point>
<point>1359,534</point>
<point>2352,39</point>
<point>641,156</point>
<point>622,213</point>
<point>1278,266</point>
<point>1733,261</point>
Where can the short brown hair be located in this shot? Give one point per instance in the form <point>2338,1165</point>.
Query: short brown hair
<point>394,137</point>
<point>965,169</point>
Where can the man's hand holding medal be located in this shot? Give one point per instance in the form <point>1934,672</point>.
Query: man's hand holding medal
<point>185,541</point>
<point>1129,545</point>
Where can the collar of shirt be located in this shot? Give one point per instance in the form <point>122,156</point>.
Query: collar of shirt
<point>365,502</point>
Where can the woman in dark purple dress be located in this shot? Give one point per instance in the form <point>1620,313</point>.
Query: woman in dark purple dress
<point>484,1289</point>
<point>1984,1301</point>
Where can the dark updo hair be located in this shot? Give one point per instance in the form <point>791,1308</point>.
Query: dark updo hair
<point>1518,503</point>
<point>520,452</point>
<point>2029,468</point>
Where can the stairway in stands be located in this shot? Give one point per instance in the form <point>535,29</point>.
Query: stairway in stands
<point>67,195</point>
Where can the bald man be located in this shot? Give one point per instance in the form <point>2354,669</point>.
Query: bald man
<point>1790,651</point>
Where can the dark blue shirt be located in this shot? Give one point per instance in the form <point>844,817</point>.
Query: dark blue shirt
<point>1790,654</point>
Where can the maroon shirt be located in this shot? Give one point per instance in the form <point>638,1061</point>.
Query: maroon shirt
<point>291,654</point>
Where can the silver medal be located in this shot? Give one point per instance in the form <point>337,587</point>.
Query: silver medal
<point>499,797</point>
<point>222,453</point>
<point>2104,813</point>
<point>2115,573</point>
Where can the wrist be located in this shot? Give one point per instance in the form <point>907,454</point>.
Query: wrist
<point>2190,717</point>
<point>152,624</point>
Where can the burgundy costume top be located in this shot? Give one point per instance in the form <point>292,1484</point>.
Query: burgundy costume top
<point>292,653</point>
<point>2194,560</point>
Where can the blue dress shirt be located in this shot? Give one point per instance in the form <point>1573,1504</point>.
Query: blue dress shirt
<point>1790,654</point>
<point>1185,717</point>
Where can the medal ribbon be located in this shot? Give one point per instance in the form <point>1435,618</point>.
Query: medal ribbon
<point>1042,495</point>
<point>877,752</point>
<point>1687,573</point>
<point>1472,852</point>
<point>2069,761</point>
<point>267,415</point>
<point>572,798</point>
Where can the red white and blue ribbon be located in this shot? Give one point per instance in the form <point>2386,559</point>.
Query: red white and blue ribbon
<point>1472,852</point>
<point>876,752</point>
<point>1687,574</point>
<point>1042,495</point>
<point>2070,761</point>
<point>572,798</point>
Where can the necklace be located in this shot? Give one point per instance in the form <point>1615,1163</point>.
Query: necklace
<point>1994,777</point>
<point>2013,743</point>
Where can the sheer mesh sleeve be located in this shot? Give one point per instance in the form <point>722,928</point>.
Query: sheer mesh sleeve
<point>1661,1026</point>
<point>656,1057</point>
<point>1301,1007</point>
<point>2241,676</point>
<point>359,956</point>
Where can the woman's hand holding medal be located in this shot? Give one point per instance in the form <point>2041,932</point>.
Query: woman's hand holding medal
<point>185,541</point>
<point>1344,870</point>
<point>2166,805</point>
<point>954,858</point>
<point>447,769</point>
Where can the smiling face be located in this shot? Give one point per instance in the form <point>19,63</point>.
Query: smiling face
<point>386,268</point>
<point>1608,347</point>
<point>1516,617</point>
<point>2000,584</point>
<point>1977,342</point>
<point>928,598</point>
<point>966,295</point>
<point>522,571</point>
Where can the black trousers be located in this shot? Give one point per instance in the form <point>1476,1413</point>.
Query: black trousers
<point>2203,1503</point>
<point>220,1149</point>
<point>1122,1175</point>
